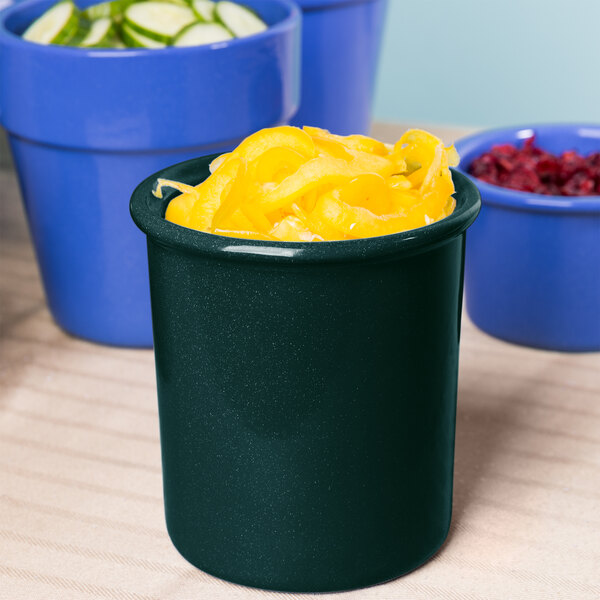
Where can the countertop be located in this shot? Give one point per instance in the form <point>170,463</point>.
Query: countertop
<point>81,512</point>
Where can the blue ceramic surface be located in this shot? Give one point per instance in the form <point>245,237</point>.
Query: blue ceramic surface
<point>340,49</point>
<point>533,262</point>
<point>85,126</point>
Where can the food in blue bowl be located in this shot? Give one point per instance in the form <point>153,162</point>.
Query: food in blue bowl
<point>532,273</point>
<point>143,24</point>
<point>85,125</point>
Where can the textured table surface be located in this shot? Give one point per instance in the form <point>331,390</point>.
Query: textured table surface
<point>80,481</point>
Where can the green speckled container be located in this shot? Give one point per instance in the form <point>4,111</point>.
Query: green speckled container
<point>307,396</point>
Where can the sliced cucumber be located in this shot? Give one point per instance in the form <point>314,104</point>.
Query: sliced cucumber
<point>100,34</point>
<point>113,9</point>
<point>116,43</point>
<point>102,10</point>
<point>56,26</point>
<point>133,39</point>
<point>176,2</point>
<point>200,34</point>
<point>241,21</point>
<point>159,21</point>
<point>204,9</point>
<point>83,28</point>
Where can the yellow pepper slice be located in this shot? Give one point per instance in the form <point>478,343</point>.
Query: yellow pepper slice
<point>417,147</point>
<point>184,188</point>
<point>367,144</point>
<point>217,162</point>
<point>238,220</point>
<point>292,229</point>
<point>317,132</point>
<point>257,218</point>
<point>453,158</point>
<point>232,197</point>
<point>359,222</point>
<point>368,190</point>
<point>290,184</point>
<point>331,147</point>
<point>437,185</point>
<point>449,208</point>
<point>372,163</point>
<point>406,200</point>
<point>399,182</point>
<point>320,223</point>
<point>308,201</point>
<point>360,143</point>
<point>244,234</point>
<point>261,141</point>
<point>313,174</point>
<point>180,209</point>
<point>210,192</point>
<point>277,163</point>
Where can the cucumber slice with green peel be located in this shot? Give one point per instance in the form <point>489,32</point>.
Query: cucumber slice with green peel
<point>204,9</point>
<point>176,2</point>
<point>56,26</point>
<point>241,21</point>
<point>98,11</point>
<point>115,43</point>
<point>200,34</point>
<point>159,21</point>
<point>133,39</point>
<point>83,28</point>
<point>102,10</point>
<point>99,35</point>
<point>113,9</point>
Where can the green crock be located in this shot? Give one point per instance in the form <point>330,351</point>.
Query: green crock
<point>307,395</point>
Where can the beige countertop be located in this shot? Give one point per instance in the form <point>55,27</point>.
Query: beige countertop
<point>81,511</point>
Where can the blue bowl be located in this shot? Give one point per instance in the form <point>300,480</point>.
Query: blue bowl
<point>532,273</point>
<point>86,126</point>
<point>340,49</point>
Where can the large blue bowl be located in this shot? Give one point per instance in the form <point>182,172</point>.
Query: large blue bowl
<point>340,50</point>
<point>86,126</point>
<point>532,273</point>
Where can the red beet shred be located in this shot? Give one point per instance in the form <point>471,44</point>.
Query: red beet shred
<point>531,169</point>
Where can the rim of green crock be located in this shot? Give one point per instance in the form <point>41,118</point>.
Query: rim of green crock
<point>148,212</point>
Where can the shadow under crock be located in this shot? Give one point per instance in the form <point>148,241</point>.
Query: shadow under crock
<point>87,125</point>
<point>307,396</point>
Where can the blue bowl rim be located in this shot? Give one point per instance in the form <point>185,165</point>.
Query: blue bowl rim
<point>8,37</point>
<point>505,197</point>
<point>148,214</point>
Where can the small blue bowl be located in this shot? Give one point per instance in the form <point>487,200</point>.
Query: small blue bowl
<point>340,51</point>
<point>86,126</point>
<point>532,273</point>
